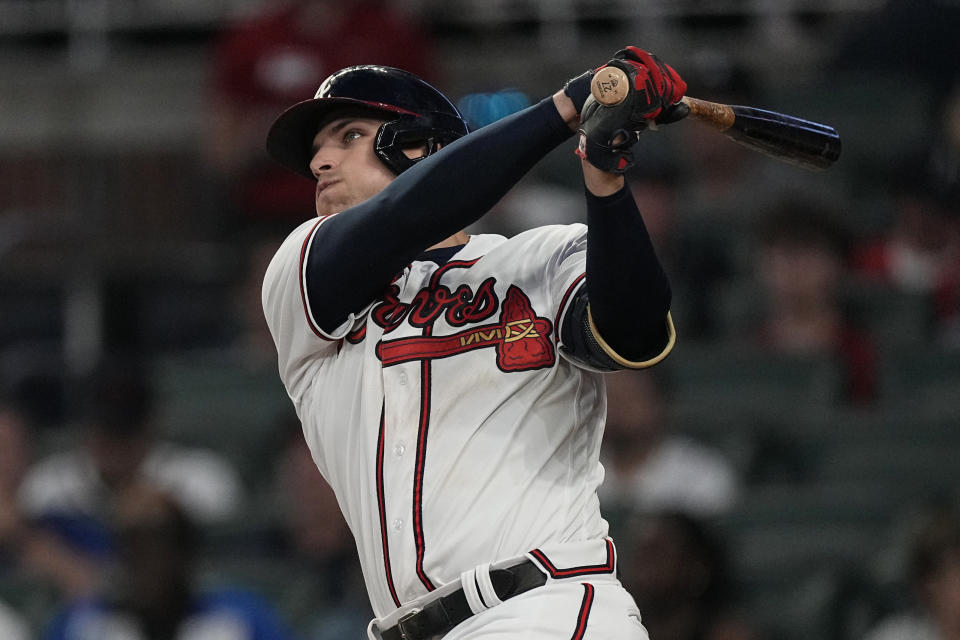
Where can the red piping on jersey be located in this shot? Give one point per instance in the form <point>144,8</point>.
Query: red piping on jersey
<point>422,437</point>
<point>418,469</point>
<point>381,504</point>
<point>357,336</point>
<point>555,572</point>
<point>303,281</point>
<point>563,303</point>
<point>584,614</point>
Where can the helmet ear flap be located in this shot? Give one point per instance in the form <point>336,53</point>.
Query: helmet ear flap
<point>389,147</point>
<point>432,129</point>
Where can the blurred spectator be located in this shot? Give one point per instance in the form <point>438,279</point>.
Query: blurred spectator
<point>14,454</point>
<point>153,593</point>
<point>12,626</point>
<point>33,550</point>
<point>801,260</point>
<point>648,466</point>
<point>933,573</point>
<point>676,570</point>
<point>120,447</point>
<point>325,595</point>
<point>920,252</point>
<point>279,56</point>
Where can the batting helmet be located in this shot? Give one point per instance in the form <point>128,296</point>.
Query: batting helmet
<point>416,113</point>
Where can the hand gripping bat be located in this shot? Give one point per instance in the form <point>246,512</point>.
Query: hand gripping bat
<point>808,144</point>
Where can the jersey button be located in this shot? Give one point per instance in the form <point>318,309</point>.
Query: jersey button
<point>397,524</point>
<point>403,377</point>
<point>399,449</point>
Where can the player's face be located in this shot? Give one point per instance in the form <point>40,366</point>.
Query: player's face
<point>347,169</point>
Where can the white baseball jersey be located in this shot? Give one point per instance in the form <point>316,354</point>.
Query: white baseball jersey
<point>444,415</point>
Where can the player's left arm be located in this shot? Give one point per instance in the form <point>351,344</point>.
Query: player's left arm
<point>621,317</point>
<point>627,307</point>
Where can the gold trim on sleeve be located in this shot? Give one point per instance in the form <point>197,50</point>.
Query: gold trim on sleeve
<point>671,340</point>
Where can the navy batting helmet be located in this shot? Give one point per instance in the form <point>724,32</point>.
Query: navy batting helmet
<point>416,113</point>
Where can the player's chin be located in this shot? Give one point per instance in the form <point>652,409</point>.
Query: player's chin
<point>328,203</point>
<point>326,207</point>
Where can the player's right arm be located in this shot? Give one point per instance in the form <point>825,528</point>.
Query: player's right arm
<point>356,253</point>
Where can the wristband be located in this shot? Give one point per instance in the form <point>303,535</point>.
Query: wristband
<point>578,88</point>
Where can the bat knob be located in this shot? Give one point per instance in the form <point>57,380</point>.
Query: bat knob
<point>609,86</point>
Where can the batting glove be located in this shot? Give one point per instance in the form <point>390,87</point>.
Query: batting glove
<point>608,133</point>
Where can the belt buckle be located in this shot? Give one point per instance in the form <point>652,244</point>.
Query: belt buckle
<point>401,625</point>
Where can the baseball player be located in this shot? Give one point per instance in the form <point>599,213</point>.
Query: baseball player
<point>450,386</point>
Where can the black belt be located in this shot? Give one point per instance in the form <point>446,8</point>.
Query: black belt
<point>438,617</point>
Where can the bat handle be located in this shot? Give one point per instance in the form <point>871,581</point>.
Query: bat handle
<point>721,116</point>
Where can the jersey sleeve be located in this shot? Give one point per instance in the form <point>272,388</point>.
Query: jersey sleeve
<point>301,343</point>
<point>569,275</point>
<point>559,252</point>
<point>569,293</point>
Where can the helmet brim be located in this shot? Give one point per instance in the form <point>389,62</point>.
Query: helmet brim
<point>290,138</point>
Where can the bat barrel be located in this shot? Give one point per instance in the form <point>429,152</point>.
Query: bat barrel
<point>789,138</point>
<point>809,144</point>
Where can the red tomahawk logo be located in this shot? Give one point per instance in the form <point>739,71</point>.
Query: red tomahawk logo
<point>522,339</point>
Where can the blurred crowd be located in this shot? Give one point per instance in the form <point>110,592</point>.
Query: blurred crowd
<point>790,471</point>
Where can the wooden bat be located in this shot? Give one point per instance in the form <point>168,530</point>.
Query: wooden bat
<point>801,142</point>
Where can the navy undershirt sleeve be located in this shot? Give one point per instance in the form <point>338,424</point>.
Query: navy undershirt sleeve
<point>629,293</point>
<point>358,252</point>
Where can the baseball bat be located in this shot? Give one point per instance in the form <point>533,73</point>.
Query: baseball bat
<point>801,142</point>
